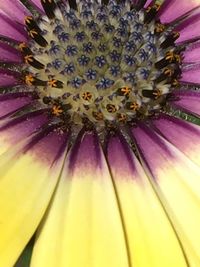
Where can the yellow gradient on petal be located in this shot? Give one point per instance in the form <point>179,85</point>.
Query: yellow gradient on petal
<point>83,227</point>
<point>178,186</point>
<point>26,187</point>
<point>152,240</point>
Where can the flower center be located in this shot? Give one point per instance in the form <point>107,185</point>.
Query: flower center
<point>101,63</point>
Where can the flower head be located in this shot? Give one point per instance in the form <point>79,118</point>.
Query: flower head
<point>99,109</point>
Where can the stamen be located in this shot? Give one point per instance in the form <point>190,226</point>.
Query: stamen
<point>57,110</point>
<point>34,34</point>
<point>101,63</point>
<point>55,83</point>
<point>29,59</point>
<point>31,24</point>
<point>151,13</point>
<point>49,8</point>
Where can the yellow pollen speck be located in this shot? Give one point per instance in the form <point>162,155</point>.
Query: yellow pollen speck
<point>122,117</point>
<point>87,96</point>
<point>125,90</point>
<point>134,106</point>
<point>98,116</point>
<point>29,79</point>
<point>159,27</point>
<point>33,33</point>
<point>111,108</point>
<point>28,59</point>
<point>175,83</point>
<point>170,56</point>
<point>52,82</point>
<point>28,19</point>
<point>177,58</point>
<point>168,72</point>
<point>22,46</point>
<point>57,110</point>
<point>157,93</point>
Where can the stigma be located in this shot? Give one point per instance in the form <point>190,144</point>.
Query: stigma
<point>101,61</point>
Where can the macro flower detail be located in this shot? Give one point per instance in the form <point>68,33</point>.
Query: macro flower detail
<point>99,125</point>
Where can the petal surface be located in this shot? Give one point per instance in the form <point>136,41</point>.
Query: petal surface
<point>9,54</point>
<point>171,10</point>
<point>147,227</point>
<point>11,29</point>
<point>176,180</point>
<point>11,103</point>
<point>26,186</point>
<point>14,9</point>
<point>184,135</point>
<point>192,54</point>
<point>188,100</point>
<point>83,226</point>
<point>14,130</point>
<point>8,78</point>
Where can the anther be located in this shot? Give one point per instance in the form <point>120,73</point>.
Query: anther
<point>124,91</point>
<point>57,110</point>
<point>49,8</point>
<point>152,94</point>
<point>151,12</point>
<point>98,116</point>
<point>29,59</point>
<point>31,24</point>
<point>169,58</point>
<point>25,50</point>
<point>166,74</point>
<point>111,108</point>
<point>133,105</point>
<point>34,34</point>
<point>169,41</point>
<point>87,96</point>
<point>55,83</point>
<point>159,28</point>
<point>175,83</point>
<point>121,117</point>
<point>31,80</point>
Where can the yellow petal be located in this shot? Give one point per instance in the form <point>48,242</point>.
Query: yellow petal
<point>176,180</point>
<point>83,226</point>
<point>151,238</point>
<point>26,186</point>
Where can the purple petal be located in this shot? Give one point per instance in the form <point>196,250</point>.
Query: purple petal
<point>122,162</point>
<point>19,128</point>
<point>189,29</point>
<point>171,10</point>
<point>148,3</point>
<point>8,78</point>
<point>15,10</point>
<point>9,54</point>
<point>153,150</point>
<point>11,29</point>
<point>192,54</point>
<point>10,103</point>
<point>48,145</point>
<point>188,100</point>
<point>184,135</point>
<point>191,74</point>
<point>86,151</point>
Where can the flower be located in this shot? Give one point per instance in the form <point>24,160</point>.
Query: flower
<point>99,132</point>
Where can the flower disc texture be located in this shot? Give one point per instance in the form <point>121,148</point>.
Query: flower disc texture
<point>99,126</point>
